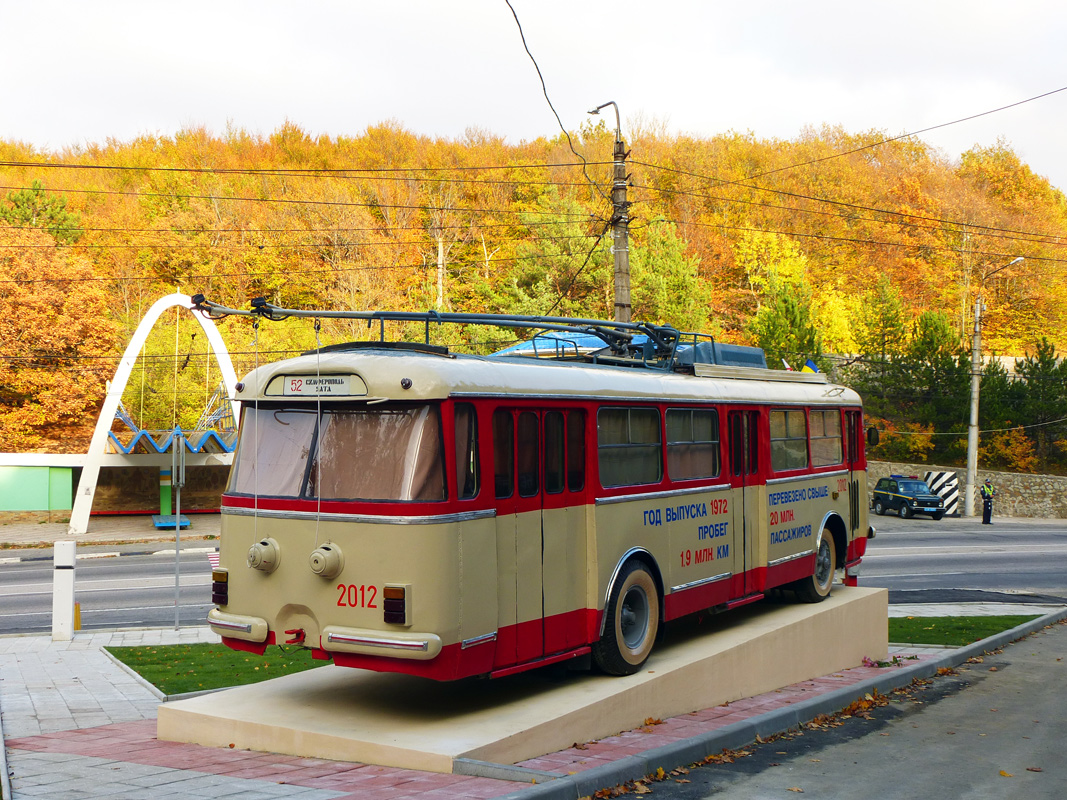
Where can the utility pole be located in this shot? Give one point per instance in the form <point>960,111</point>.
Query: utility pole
<point>620,221</point>
<point>972,428</point>
<point>976,382</point>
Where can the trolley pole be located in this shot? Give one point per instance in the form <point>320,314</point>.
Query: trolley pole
<point>620,221</point>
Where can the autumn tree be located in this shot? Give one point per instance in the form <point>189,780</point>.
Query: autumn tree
<point>57,342</point>
<point>35,208</point>
<point>1044,405</point>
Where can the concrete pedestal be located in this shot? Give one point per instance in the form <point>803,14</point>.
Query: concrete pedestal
<point>401,721</point>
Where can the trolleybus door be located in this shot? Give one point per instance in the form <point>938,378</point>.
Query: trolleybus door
<point>539,459</point>
<point>517,479</point>
<point>744,477</point>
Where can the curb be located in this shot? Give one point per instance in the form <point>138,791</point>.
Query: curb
<point>5,776</point>
<point>151,687</point>
<point>688,751</point>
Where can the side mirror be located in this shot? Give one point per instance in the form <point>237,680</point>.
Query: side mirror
<point>872,436</point>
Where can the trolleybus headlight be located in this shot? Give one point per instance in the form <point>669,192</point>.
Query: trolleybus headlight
<point>264,555</point>
<point>327,561</point>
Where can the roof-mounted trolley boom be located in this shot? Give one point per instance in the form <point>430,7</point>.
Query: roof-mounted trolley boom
<point>635,344</point>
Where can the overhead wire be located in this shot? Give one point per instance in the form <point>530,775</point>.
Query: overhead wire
<point>548,99</point>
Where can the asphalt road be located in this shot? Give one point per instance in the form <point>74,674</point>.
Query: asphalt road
<point>953,560</point>
<point>114,591</point>
<point>994,730</point>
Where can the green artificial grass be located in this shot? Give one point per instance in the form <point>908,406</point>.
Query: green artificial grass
<point>179,668</point>
<point>953,631</point>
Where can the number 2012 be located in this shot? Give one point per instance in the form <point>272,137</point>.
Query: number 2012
<point>355,596</point>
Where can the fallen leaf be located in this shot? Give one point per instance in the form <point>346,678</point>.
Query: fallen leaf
<point>1034,769</point>
<point>1004,774</point>
<point>642,789</point>
<point>992,669</point>
<point>796,789</point>
<point>682,780</point>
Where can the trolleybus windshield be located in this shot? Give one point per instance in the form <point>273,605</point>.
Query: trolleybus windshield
<point>378,453</point>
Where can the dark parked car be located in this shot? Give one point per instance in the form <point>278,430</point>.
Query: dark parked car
<point>907,495</point>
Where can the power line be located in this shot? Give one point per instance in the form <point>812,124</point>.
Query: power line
<point>979,230</point>
<point>304,172</point>
<point>903,136</point>
<point>827,201</point>
<point>867,242</point>
<point>283,272</point>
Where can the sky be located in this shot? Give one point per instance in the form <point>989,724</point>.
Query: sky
<point>83,72</point>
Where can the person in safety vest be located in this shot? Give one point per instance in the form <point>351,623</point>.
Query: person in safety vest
<point>988,493</point>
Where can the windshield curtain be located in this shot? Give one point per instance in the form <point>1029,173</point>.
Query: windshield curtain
<point>383,453</point>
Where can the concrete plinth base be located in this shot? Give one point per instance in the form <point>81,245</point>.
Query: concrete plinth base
<point>400,721</point>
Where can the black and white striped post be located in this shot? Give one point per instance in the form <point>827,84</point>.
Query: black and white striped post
<point>947,486</point>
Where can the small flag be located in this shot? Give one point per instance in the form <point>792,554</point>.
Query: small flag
<point>809,366</point>
<point>786,365</point>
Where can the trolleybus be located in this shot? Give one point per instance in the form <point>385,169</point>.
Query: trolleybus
<point>395,506</point>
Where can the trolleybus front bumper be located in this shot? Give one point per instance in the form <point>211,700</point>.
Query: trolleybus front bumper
<point>237,626</point>
<point>402,644</point>
<point>335,639</point>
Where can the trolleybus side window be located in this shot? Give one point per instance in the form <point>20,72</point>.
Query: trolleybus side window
<point>503,452</point>
<point>692,443</point>
<point>789,440</point>
<point>529,452</point>
<point>467,476</point>
<point>555,452</point>
<point>575,450</point>
<point>825,437</point>
<point>629,447</point>
<point>564,451</point>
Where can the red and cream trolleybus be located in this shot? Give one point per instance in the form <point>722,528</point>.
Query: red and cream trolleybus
<point>395,506</point>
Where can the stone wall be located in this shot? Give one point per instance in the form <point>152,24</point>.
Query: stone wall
<point>1018,494</point>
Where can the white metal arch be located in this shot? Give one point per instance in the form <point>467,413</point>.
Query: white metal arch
<point>83,500</point>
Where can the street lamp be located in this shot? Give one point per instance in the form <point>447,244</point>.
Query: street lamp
<point>618,125</point>
<point>976,382</point>
<point>620,221</point>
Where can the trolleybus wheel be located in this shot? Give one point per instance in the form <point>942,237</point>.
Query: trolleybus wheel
<point>632,622</point>
<point>879,509</point>
<point>817,587</point>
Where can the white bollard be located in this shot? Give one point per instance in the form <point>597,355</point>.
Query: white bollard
<point>63,557</point>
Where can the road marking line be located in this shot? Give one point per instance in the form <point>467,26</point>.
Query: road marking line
<point>102,610</point>
<point>114,554</point>
<point>78,589</point>
<point>10,560</point>
<point>184,551</point>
